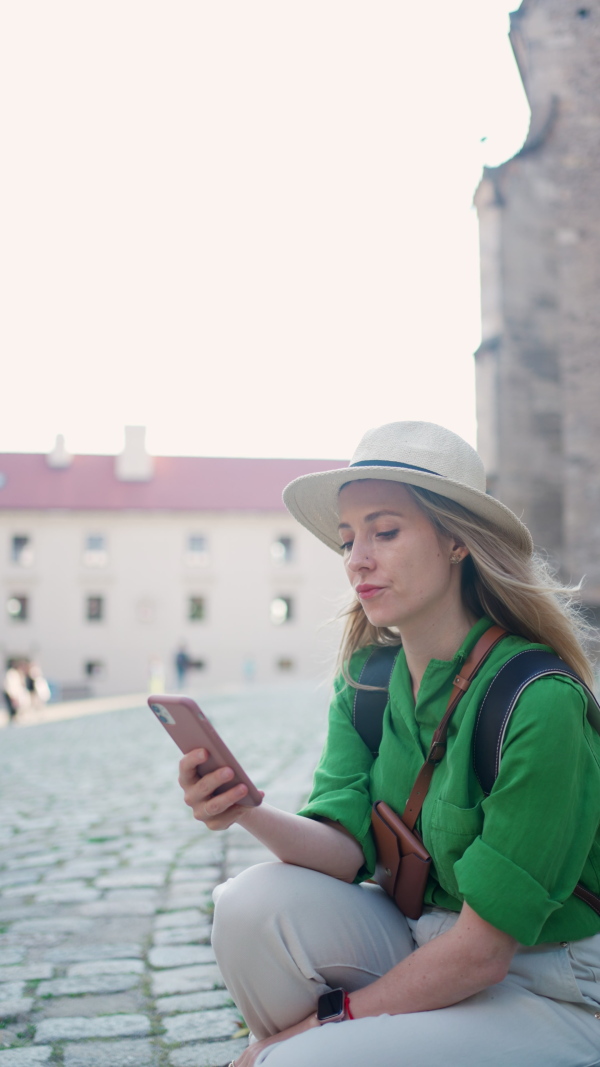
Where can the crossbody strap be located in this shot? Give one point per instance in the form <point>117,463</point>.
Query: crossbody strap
<point>437,750</point>
<point>369,705</point>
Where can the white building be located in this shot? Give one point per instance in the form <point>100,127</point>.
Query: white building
<point>109,565</point>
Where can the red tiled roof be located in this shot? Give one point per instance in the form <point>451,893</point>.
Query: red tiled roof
<point>179,483</point>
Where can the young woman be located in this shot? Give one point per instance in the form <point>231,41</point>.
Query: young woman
<point>503,966</point>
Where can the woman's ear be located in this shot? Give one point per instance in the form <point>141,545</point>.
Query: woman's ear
<point>458,552</point>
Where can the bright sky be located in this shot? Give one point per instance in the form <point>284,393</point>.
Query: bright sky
<point>244,224</point>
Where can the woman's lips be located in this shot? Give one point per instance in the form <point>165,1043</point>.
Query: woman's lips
<point>365,592</point>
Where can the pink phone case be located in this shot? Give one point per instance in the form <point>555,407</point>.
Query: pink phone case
<point>190,729</point>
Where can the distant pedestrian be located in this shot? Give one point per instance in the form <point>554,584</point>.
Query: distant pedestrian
<point>14,690</point>
<point>182,666</point>
<point>249,669</point>
<point>36,684</point>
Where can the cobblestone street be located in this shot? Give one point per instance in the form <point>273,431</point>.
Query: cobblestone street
<point>106,881</point>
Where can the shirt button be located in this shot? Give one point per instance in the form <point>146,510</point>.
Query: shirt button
<point>597,1015</point>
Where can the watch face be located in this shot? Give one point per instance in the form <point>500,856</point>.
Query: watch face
<point>330,1005</point>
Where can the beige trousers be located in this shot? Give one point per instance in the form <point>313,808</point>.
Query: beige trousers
<point>283,935</point>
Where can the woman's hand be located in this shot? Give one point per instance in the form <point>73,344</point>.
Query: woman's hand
<point>217,812</point>
<point>251,1054</point>
<point>292,838</point>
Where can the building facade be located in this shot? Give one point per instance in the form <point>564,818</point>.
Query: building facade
<point>110,565</point>
<point>538,367</point>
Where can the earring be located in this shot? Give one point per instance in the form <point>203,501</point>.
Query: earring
<point>456,559</point>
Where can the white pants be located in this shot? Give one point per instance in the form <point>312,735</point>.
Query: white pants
<point>283,935</point>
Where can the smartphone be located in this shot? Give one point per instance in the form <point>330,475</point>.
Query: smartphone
<point>190,729</point>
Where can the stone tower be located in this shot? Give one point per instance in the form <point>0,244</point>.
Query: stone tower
<point>538,367</point>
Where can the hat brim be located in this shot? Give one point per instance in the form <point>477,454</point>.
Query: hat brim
<point>312,500</point>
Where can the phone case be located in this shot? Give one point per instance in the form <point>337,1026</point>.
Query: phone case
<point>190,729</point>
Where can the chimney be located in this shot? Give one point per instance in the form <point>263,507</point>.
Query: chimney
<point>59,458</point>
<point>134,464</point>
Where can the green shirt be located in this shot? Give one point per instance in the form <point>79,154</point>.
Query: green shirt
<point>514,856</point>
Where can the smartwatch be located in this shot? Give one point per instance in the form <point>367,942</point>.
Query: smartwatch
<point>331,1007</point>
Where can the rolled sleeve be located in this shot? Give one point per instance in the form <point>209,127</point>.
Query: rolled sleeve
<point>493,896</point>
<point>541,817</point>
<point>340,807</point>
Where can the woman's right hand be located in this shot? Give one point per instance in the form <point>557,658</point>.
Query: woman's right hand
<point>217,812</point>
<point>292,838</point>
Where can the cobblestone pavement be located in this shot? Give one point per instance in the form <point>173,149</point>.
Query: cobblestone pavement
<point>106,880</point>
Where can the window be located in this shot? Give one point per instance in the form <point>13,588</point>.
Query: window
<point>196,608</point>
<point>18,608</point>
<point>94,552</point>
<point>196,554</point>
<point>281,610</point>
<point>286,663</point>
<point>21,550</point>
<point>94,608</point>
<point>94,668</point>
<point>282,550</point>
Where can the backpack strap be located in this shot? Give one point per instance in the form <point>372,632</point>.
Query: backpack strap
<point>494,716</point>
<point>499,702</point>
<point>369,704</point>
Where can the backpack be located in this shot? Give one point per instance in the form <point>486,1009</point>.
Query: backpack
<point>494,713</point>
<point>493,716</point>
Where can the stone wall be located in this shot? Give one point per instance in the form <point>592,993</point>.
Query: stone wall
<point>537,368</point>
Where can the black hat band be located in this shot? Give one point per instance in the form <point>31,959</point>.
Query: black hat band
<point>392,463</point>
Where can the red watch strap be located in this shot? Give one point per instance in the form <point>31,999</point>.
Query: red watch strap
<point>347,1011</point>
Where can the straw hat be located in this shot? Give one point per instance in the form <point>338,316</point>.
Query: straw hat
<point>414,453</point>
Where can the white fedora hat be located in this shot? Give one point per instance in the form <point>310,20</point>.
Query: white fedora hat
<point>415,453</point>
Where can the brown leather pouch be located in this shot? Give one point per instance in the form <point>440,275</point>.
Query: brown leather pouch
<point>403,862</point>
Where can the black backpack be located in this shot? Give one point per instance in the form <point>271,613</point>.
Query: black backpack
<point>492,718</point>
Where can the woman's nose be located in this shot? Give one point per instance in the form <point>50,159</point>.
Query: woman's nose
<point>359,559</point>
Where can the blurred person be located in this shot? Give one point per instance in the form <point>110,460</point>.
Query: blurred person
<point>182,665</point>
<point>36,684</point>
<point>249,669</point>
<point>15,691</point>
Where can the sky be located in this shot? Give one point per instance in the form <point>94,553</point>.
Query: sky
<point>244,224</point>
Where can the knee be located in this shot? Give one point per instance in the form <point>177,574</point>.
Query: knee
<point>243,904</point>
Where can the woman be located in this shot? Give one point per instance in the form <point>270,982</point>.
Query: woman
<point>503,966</point>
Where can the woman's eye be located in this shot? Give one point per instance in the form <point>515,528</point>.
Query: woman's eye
<point>387,535</point>
<point>347,545</point>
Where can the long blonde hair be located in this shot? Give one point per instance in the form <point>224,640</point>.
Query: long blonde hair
<point>518,592</point>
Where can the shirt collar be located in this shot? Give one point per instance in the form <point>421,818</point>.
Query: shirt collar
<point>471,639</point>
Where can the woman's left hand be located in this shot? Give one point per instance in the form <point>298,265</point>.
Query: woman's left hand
<point>251,1054</point>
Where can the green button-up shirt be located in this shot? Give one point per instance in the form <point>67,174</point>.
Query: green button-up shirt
<point>514,856</point>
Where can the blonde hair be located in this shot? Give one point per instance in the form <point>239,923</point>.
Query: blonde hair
<point>516,591</point>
